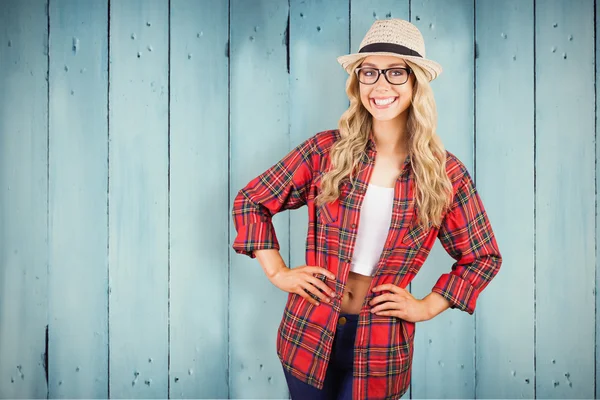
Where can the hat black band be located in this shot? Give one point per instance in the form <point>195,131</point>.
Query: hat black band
<point>389,48</point>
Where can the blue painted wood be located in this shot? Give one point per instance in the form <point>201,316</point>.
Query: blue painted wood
<point>597,338</point>
<point>504,84</point>
<point>318,35</point>
<point>72,298</point>
<point>565,206</point>
<point>138,199</point>
<point>199,192</point>
<point>78,175</point>
<point>23,198</point>
<point>363,14</point>
<point>259,116</point>
<point>444,347</point>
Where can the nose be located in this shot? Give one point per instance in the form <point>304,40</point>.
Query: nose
<point>382,83</point>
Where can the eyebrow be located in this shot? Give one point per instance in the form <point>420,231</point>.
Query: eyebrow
<point>389,66</point>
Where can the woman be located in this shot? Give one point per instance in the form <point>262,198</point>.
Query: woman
<point>379,190</point>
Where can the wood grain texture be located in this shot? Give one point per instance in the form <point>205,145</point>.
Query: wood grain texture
<point>23,198</point>
<point>138,199</point>
<point>259,118</point>
<point>597,231</point>
<point>115,225</point>
<point>565,205</point>
<point>505,166</point>
<point>444,347</point>
<point>199,201</point>
<point>78,176</point>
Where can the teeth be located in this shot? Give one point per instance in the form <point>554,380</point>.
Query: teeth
<point>384,102</point>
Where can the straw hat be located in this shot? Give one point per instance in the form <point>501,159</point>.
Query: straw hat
<point>394,37</point>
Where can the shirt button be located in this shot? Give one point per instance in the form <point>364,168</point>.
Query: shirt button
<point>353,226</point>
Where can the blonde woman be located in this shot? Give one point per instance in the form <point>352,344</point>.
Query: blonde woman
<point>379,190</point>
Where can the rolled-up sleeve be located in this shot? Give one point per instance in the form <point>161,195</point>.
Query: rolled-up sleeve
<point>466,234</point>
<point>284,186</point>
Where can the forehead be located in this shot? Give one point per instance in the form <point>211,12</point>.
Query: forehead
<point>383,61</point>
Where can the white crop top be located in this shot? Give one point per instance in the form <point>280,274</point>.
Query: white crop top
<point>373,228</point>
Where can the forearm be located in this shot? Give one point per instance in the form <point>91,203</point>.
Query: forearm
<point>435,304</point>
<point>271,261</point>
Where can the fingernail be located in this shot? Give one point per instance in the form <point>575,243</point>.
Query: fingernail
<point>326,299</point>
<point>332,294</point>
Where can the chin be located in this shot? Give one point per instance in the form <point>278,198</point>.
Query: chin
<point>384,118</point>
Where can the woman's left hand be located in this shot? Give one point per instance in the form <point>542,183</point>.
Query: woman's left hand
<point>399,303</point>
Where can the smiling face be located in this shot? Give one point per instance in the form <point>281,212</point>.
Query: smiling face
<point>384,101</point>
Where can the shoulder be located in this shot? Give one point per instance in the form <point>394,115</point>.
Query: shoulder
<point>315,149</point>
<point>324,140</point>
<point>455,168</point>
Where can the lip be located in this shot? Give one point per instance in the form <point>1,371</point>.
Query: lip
<point>372,100</point>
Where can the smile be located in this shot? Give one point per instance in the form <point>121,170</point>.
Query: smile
<point>383,103</point>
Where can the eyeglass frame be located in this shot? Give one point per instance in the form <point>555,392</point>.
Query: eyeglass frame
<point>383,72</point>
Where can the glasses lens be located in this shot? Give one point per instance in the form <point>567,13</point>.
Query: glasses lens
<point>397,76</point>
<point>368,75</point>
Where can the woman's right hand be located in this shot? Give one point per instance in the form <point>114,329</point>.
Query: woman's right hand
<point>301,280</point>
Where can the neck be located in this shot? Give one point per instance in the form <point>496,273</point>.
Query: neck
<point>391,136</point>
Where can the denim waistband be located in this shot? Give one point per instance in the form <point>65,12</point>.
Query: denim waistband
<point>349,317</point>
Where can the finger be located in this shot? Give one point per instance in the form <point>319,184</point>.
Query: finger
<point>321,285</point>
<point>389,287</point>
<point>319,270</point>
<point>383,298</point>
<point>313,290</point>
<point>386,306</point>
<point>307,296</point>
<point>390,313</point>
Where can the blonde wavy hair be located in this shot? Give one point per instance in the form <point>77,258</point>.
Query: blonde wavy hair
<point>428,156</point>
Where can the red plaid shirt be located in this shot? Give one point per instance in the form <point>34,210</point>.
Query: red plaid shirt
<point>384,345</point>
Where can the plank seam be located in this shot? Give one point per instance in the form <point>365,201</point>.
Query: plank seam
<point>287,48</point>
<point>534,200</point>
<point>169,202</point>
<point>108,198</point>
<point>595,202</point>
<point>475,172</point>
<point>228,54</point>
<point>47,193</point>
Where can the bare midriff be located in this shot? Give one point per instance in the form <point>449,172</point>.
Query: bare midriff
<point>355,292</point>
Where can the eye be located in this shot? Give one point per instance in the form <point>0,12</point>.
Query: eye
<point>368,72</point>
<point>397,72</point>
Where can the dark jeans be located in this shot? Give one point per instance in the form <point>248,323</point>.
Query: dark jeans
<point>338,379</point>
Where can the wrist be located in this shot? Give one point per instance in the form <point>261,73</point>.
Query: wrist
<point>275,271</point>
<point>435,304</point>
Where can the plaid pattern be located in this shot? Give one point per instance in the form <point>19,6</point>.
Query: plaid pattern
<point>384,345</point>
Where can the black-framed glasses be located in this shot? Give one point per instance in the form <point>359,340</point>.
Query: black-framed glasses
<point>395,76</point>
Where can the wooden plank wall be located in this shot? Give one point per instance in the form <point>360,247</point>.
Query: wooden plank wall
<point>127,126</point>
<point>505,151</point>
<point>565,203</point>
<point>77,199</point>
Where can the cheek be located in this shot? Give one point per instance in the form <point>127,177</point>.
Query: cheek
<point>364,96</point>
<point>406,97</point>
